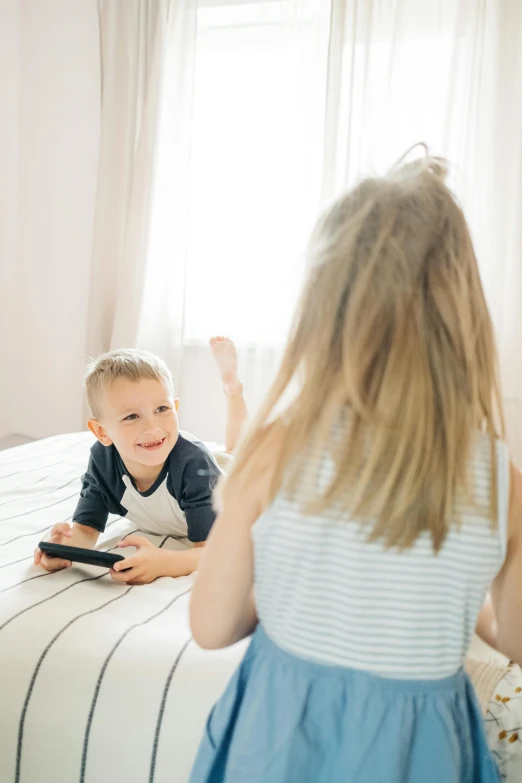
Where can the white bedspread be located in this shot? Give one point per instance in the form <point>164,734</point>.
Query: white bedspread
<point>98,681</point>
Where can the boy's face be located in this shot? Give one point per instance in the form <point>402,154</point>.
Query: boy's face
<point>140,418</point>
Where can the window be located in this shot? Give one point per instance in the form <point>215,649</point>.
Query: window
<point>255,166</point>
<point>257,143</point>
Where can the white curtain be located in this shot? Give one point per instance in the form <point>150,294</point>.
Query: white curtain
<point>449,73</point>
<point>137,41</point>
<point>161,325</point>
<point>288,102</point>
<point>231,224</point>
<point>502,228</point>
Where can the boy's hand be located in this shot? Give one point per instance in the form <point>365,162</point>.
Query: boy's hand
<point>146,565</point>
<point>59,534</point>
<point>62,533</point>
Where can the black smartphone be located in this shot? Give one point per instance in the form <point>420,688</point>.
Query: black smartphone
<point>79,554</point>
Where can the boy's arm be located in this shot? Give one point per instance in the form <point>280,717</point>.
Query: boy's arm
<point>83,536</point>
<point>183,563</point>
<point>63,533</point>
<point>199,477</point>
<point>90,517</point>
<point>150,562</point>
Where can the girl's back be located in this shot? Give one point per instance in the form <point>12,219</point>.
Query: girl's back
<point>367,513</point>
<point>325,593</point>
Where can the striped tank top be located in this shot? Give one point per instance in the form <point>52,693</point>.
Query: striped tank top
<point>324,593</point>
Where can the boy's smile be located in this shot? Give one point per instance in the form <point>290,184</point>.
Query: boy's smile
<point>155,444</point>
<point>140,419</point>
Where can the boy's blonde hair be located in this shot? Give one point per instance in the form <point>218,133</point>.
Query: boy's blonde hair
<point>124,363</point>
<point>393,337</point>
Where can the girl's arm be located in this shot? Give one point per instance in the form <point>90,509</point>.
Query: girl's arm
<point>222,609</point>
<point>506,591</point>
<point>487,624</point>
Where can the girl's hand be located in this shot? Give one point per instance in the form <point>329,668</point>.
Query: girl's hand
<point>146,565</point>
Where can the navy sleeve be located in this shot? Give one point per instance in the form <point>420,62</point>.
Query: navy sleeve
<point>198,480</point>
<point>97,498</point>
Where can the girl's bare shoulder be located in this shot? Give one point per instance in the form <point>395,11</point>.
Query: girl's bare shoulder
<point>256,479</point>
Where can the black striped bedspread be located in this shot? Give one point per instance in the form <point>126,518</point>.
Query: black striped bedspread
<point>98,681</point>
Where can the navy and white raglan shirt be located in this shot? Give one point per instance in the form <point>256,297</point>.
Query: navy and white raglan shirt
<point>179,503</point>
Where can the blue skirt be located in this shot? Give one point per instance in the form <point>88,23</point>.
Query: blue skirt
<point>283,719</point>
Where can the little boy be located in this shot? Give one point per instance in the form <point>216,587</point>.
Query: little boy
<point>143,467</point>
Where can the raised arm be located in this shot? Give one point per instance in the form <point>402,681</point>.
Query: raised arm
<point>223,608</point>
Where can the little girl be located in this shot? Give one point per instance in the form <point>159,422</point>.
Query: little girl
<point>369,509</point>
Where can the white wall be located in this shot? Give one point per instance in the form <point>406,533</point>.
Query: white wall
<point>57,125</point>
<point>49,136</point>
<point>9,90</point>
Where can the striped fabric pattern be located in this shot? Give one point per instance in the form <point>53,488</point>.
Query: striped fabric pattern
<point>99,681</point>
<point>325,593</point>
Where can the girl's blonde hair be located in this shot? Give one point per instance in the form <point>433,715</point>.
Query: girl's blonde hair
<point>393,337</point>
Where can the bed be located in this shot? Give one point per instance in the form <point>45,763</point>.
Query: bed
<point>99,681</point>
<point>102,682</point>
